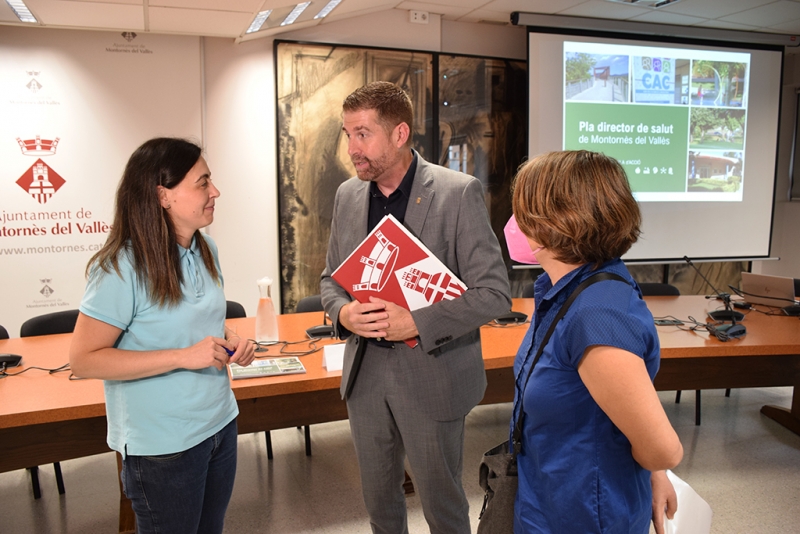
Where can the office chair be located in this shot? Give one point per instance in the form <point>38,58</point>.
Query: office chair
<point>62,322</point>
<point>310,304</point>
<point>306,304</point>
<point>3,332</point>
<point>527,291</point>
<point>797,287</point>
<point>234,310</point>
<point>655,289</point>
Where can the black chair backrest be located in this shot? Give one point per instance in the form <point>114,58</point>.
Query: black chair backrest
<point>3,333</point>
<point>310,304</point>
<point>62,322</point>
<point>655,289</point>
<point>527,291</point>
<point>234,310</point>
<point>797,287</point>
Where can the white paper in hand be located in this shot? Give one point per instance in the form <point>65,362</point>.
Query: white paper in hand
<point>693,515</point>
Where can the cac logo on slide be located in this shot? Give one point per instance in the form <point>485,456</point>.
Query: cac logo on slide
<point>40,181</point>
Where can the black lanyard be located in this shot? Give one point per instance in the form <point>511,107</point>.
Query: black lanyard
<point>516,437</point>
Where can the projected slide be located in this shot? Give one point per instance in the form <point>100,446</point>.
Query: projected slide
<point>675,118</point>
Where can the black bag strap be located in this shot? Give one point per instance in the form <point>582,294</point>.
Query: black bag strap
<point>516,438</point>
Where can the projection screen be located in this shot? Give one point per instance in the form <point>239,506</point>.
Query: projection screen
<point>694,125</point>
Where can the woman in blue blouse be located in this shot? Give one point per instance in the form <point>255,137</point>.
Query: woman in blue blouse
<point>593,427</point>
<point>152,327</point>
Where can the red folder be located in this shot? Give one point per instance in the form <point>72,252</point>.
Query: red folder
<point>393,265</point>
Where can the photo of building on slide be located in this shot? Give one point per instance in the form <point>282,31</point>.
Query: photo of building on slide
<point>719,84</point>
<point>714,172</point>
<point>719,129</point>
<point>660,80</point>
<point>596,77</point>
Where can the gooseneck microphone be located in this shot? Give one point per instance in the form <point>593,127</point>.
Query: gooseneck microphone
<point>727,314</point>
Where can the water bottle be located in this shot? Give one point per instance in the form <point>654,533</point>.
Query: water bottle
<point>266,323</point>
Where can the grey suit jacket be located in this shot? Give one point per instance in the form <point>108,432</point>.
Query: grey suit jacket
<point>447,212</point>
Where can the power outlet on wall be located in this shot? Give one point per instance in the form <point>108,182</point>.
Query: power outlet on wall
<point>418,17</point>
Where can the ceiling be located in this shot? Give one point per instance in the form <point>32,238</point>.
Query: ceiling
<point>231,18</point>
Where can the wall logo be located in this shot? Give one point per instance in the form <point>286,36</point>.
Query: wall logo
<point>129,47</point>
<point>40,180</point>
<point>33,86</point>
<point>46,289</point>
<point>38,146</point>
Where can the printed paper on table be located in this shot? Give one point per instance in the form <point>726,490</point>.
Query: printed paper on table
<point>272,367</point>
<point>393,265</point>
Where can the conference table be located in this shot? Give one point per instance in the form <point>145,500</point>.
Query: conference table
<point>45,418</point>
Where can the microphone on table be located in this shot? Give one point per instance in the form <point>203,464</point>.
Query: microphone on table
<point>9,360</point>
<point>723,332</point>
<point>323,330</point>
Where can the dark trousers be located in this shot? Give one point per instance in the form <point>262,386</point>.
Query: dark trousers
<point>185,492</point>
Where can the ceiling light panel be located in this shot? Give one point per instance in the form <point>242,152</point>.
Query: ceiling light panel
<point>275,17</point>
<point>325,11</point>
<point>258,21</point>
<point>6,15</point>
<point>21,10</point>
<point>302,12</point>
<point>295,13</point>
<point>351,8</point>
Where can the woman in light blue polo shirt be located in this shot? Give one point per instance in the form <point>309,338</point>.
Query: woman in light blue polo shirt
<point>152,327</point>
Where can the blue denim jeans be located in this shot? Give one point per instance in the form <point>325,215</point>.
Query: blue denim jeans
<point>186,492</point>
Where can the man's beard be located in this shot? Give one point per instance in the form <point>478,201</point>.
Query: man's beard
<point>375,168</point>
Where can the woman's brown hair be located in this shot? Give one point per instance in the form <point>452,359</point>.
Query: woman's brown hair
<point>142,226</point>
<point>578,205</point>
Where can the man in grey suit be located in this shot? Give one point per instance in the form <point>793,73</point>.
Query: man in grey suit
<point>402,400</point>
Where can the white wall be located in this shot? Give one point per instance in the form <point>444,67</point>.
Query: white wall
<point>786,221</point>
<point>241,149</point>
<point>240,126</point>
<point>101,96</point>
<point>485,40</point>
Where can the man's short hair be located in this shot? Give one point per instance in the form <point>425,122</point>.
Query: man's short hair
<point>389,100</point>
<point>578,205</point>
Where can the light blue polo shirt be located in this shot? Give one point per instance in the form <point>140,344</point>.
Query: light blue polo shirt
<point>173,411</point>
